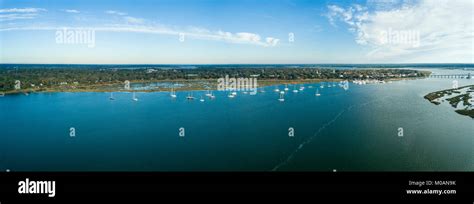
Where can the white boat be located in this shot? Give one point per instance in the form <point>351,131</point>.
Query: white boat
<point>245,92</point>
<point>317,93</point>
<point>234,93</point>
<point>212,96</point>
<point>286,87</point>
<point>281,99</point>
<point>231,96</point>
<point>310,87</point>
<point>202,100</point>
<point>173,93</point>
<point>301,88</point>
<point>295,91</point>
<point>277,90</point>
<point>111,96</point>
<point>282,92</point>
<point>208,94</point>
<point>134,97</point>
<point>253,93</point>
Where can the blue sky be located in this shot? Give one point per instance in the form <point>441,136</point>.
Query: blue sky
<point>237,31</point>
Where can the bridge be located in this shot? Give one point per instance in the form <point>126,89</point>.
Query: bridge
<point>452,76</point>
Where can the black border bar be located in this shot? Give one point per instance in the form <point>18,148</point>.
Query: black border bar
<point>386,186</point>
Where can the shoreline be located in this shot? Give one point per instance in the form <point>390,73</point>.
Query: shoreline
<point>196,85</point>
<point>454,97</point>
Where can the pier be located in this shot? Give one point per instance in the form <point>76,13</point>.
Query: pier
<point>452,76</point>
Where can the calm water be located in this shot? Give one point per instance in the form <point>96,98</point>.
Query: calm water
<point>353,130</point>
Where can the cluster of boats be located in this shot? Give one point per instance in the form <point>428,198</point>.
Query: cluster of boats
<point>367,81</point>
<point>233,94</point>
<point>301,88</point>
<point>190,96</point>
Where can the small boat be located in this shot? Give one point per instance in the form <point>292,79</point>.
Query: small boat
<point>212,96</point>
<point>282,92</point>
<point>253,93</point>
<point>231,96</point>
<point>245,92</point>
<point>286,87</point>
<point>202,100</point>
<point>111,96</point>
<point>190,96</point>
<point>134,97</point>
<point>317,93</point>
<point>173,93</point>
<point>295,90</point>
<point>277,90</point>
<point>310,87</point>
<point>234,93</point>
<point>281,99</point>
<point>208,94</point>
<point>301,88</point>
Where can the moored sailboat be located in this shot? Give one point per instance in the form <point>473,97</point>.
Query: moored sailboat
<point>317,93</point>
<point>281,99</point>
<point>134,97</point>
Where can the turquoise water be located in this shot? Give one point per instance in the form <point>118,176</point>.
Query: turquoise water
<point>353,130</point>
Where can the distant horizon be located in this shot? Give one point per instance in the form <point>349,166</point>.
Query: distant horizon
<point>244,63</point>
<point>231,64</point>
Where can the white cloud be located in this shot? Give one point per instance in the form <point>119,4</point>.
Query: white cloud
<point>338,13</point>
<point>22,10</point>
<point>192,33</point>
<point>140,25</point>
<point>71,11</point>
<point>112,12</point>
<point>250,37</point>
<point>239,38</point>
<point>16,16</point>
<point>126,18</point>
<point>425,31</point>
<point>272,41</point>
<point>134,20</point>
<point>19,13</point>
